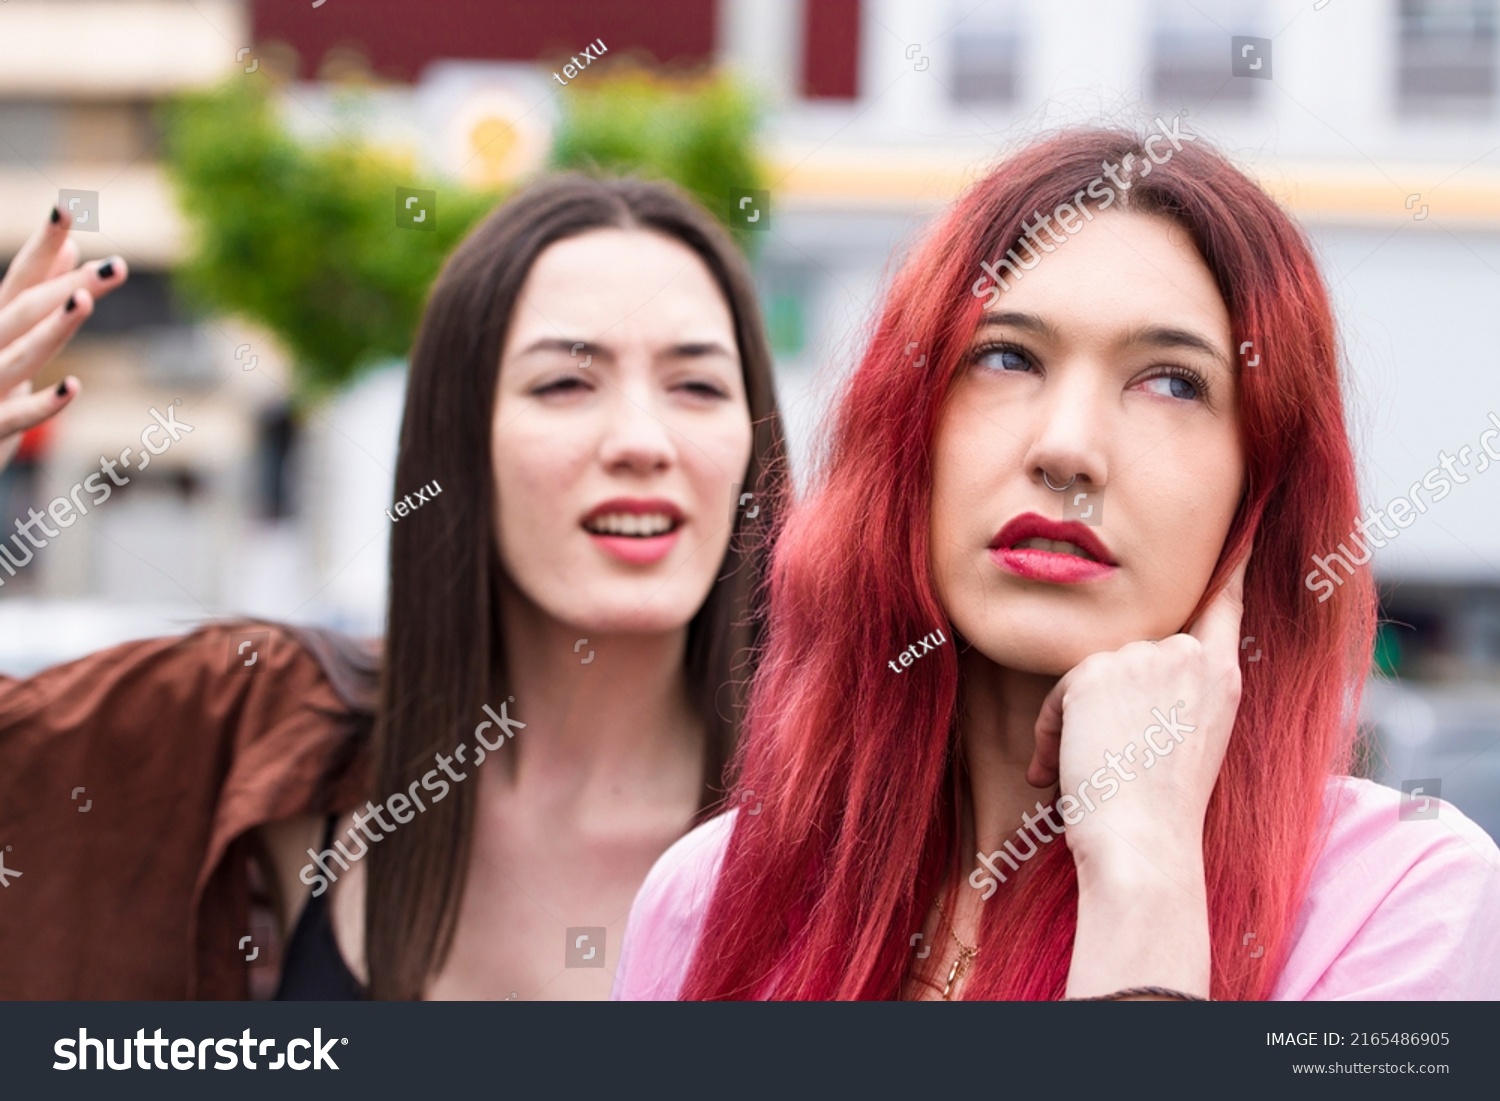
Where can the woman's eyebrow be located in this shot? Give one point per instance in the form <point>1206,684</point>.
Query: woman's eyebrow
<point>1167,336</point>
<point>686,350</point>
<point>1028,322</point>
<point>1155,336</point>
<point>695,348</point>
<point>562,344</point>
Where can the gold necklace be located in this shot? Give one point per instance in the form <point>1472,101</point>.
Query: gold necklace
<point>966,954</point>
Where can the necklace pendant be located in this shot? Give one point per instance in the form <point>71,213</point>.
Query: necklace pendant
<point>953,973</point>
<point>965,953</point>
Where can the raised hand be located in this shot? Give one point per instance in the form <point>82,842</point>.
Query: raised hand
<point>1135,740</point>
<point>1141,732</point>
<point>44,298</point>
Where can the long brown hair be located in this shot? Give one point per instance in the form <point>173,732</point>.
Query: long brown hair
<point>443,652</point>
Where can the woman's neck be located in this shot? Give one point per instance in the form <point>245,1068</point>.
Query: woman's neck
<point>999,709</point>
<point>604,715</point>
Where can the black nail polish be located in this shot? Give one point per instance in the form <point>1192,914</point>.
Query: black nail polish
<point>56,215</point>
<point>62,388</point>
<point>106,269</point>
<point>72,304</point>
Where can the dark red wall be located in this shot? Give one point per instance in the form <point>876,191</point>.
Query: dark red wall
<point>830,54</point>
<point>401,36</point>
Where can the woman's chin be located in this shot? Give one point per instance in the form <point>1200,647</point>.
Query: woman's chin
<point>601,619</point>
<point>1045,659</point>
<point>1051,648</point>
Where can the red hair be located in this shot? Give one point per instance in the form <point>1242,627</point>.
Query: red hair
<point>859,773</point>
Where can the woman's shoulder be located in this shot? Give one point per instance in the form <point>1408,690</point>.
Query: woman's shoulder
<point>1401,902</point>
<point>191,741</point>
<point>217,660</point>
<point>667,916</point>
<point>691,863</point>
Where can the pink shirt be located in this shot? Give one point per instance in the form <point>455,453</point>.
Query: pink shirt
<point>1396,910</point>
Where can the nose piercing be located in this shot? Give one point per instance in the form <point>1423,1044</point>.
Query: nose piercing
<point>1057,489</point>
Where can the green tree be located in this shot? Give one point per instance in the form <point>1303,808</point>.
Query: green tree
<point>699,133</point>
<point>302,237</point>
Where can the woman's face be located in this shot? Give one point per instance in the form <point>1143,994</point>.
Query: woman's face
<point>1109,364</point>
<point>620,427</point>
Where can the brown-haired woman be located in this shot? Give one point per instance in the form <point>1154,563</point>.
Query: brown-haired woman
<point>573,596</point>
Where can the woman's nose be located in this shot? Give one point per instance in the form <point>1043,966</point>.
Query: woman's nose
<point>635,437</point>
<point>1068,443</point>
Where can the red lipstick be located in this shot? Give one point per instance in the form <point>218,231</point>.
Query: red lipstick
<point>1041,564</point>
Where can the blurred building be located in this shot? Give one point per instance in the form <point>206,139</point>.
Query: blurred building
<point>80,82</point>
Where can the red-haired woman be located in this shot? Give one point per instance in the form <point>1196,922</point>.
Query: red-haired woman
<point>1046,709</point>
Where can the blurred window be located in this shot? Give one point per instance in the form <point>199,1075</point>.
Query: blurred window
<point>169,345</point>
<point>1191,53</point>
<point>787,289</point>
<point>28,131</point>
<point>145,300</point>
<point>786,321</point>
<point>41,131</point>
<point>986,55</point>
<point>1446,55</point>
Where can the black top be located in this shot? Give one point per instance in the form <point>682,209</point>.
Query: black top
<point>313,968</point>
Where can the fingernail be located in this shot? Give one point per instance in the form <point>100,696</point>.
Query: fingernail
<point>106,269</point>
<point>56,215</point>
<point>72,304</point>
<point>62,388</point>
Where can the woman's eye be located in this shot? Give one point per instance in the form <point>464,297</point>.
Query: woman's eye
<point>562,385</point>
<point>1182,387</point>
<point>705,389</point>
<point>1002,358</point>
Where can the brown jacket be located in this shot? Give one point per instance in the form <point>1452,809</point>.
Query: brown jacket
<point>129,783</point>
